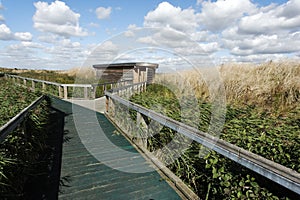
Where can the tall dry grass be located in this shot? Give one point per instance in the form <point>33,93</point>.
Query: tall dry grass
<point>85,75</point>
<point>273,84</point>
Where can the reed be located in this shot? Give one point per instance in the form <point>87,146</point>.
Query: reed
<point>270,85</point>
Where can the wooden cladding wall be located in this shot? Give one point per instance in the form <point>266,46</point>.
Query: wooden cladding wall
<point>115,75</point>
<point>150,75</point>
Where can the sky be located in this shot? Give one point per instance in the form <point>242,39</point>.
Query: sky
<point>73,33</point>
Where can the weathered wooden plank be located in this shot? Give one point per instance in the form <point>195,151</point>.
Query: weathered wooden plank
<point>91,179</point>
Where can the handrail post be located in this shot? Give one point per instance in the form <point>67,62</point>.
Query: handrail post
<point>93,91</point>
<point>33,85</point>
<point>141,138</point>
<point>24,81</point>
<point>60,91</point>
<point>43,86</point>
<point>65,92</point>
<point>107,104</point>
<point>85,91</point>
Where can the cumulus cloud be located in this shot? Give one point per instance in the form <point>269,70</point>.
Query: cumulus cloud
<point>129,32</point>
<point>57,18</point>
<point>219,15</point>
<point>274,29</point>
<point>177,30</point>
<point>103,13</point>
<point>283,18</point>
<point>243,29</point>
<point>23,36</point>
<point>7,34</point>
<point>38,55</point>
<point>166,15</point>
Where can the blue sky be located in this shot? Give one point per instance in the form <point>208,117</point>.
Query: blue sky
<point>66,34</point>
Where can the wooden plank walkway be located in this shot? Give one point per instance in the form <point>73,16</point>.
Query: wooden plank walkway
<point>85,177</point>
<point>95,104</point>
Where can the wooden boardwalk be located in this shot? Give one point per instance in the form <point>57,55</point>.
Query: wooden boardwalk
<point>85,177</point>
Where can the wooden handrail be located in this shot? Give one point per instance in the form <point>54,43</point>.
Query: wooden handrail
<point>62,89</point>
<point>16,120</point>
<point>107,83</point>
<point>267,168</point>
<point>127,86</point>
<point>32,79</point>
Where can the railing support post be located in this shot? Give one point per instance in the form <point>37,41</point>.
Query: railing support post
<point>107,104</point>
<point>141,138</point>
<point>65,92</point>
<point>43,86</point>
<point>33,85</point>
<point>93,91</point>
<point>60,91</point>
<point>85,91</point>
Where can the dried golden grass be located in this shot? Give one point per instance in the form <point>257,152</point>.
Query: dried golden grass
<point>272,84</point>
<point>81,74</point>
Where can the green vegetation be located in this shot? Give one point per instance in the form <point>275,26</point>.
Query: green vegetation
<point>273,135</point>
<point>13,99</point>
<point>46,75</point>
<point>24,154</point>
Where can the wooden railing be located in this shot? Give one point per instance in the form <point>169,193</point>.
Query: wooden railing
<point>13,123</point>
<point>85,91</point>
<point>126,91</point>
<point>117,109</point>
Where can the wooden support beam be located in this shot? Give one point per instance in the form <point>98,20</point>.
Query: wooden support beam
<point>60,94</point>
<point>107,104</point>
<point>33,85</point>
<point>85,91</point>
<point>65,92</point>
<point>93,92</point>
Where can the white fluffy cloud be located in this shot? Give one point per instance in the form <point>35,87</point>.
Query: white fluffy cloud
<point>274,29</point>
<point>47,56</point>
<point>283,18</point>
<point>7,34</point>
<point>166,15</point>
<point>244,29</point>
<point>57,18</point>
<point>216,16</point>
<point>23,36</point>
<point>103,13</point>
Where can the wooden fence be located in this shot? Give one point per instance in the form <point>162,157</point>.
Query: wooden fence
<point>120,111</point>
<point>83,91</point>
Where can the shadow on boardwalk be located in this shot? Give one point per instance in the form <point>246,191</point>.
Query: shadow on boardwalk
<point>46,184</point>
<point>82,176</point>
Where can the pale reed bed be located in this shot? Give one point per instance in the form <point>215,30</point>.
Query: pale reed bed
<point>272,84</point>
